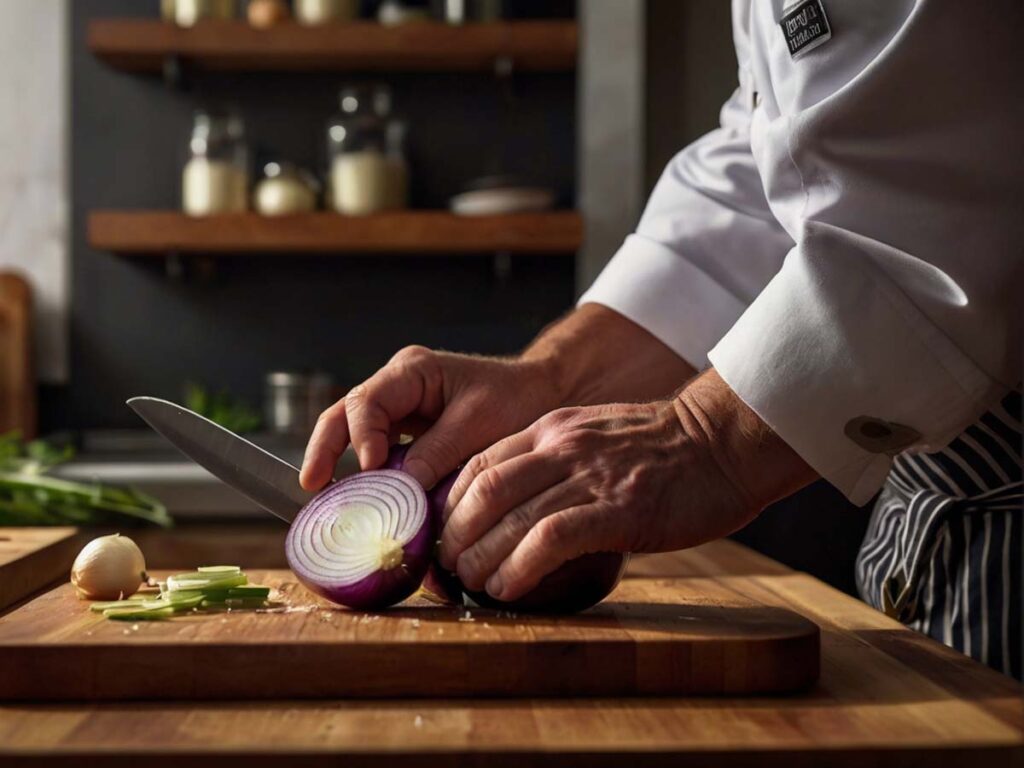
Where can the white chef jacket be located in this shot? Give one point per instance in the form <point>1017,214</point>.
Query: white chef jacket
<point>849,243</point>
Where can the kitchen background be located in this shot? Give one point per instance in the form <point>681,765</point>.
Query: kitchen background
<point>651,77</point>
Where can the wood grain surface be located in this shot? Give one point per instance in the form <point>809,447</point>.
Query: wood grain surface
<point>143,45</point>
<point>886,697</point>
<point>651,637</point>
<point>32,558</point>
<point>409,232</point>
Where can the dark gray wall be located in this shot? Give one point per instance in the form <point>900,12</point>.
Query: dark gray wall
<point>135,331</point>
<point>691,70</point>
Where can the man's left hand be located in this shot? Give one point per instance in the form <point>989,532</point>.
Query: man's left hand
<point>648,477</point>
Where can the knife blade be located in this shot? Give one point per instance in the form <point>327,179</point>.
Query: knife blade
<point>255,473</point>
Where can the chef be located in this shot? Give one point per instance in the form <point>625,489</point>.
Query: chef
<point>843,260</point>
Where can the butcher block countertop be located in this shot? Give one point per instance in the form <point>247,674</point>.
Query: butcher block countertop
<point>886,696</point>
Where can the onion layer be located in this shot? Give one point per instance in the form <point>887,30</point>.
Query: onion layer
<point>364,542</point>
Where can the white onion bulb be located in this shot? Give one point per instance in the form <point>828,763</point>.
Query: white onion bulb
<point>108,568</point>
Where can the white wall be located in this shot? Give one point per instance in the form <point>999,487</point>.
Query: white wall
<point>33,167</point>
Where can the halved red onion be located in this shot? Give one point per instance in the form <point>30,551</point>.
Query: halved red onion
<point>364,542</point>
<point>575,586</point>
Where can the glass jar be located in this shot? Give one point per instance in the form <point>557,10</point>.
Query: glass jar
<point>284,189</point>
<point>216,174</point>
<point>312,12</point>
<point>188,12</point>
<point>365,147</point>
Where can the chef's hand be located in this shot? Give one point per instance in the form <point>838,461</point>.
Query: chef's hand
<point>646,477</point>
<point>457,405</point>
<point>464,403</point>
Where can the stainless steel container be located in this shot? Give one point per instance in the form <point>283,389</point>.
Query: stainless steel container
<point>293,401</point>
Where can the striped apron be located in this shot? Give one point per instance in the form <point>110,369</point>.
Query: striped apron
<point>943,550</point>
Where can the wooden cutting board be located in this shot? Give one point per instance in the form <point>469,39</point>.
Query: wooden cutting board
<point>652,636</point>
<point>31,558</point>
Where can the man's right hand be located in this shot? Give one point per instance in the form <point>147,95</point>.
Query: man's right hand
<point>468,402</point>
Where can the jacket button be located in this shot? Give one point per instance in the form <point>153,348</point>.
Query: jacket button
<point>880,436</point>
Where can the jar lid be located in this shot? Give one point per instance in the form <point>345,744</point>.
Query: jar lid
<point>282,169</point>
<point>287,379</point>
<point>218,123</point>
<point>372,99</point>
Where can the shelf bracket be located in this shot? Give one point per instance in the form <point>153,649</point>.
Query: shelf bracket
<point>182,269</point>
<point>504,66</point>
<point>174,266</point>
<point>501,264</point>
<point>173,70</point>
<point>504,70</point>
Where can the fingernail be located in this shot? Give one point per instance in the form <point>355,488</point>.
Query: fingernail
<point>495,586</point>
<point>364,459</point>
<point>420,471</point>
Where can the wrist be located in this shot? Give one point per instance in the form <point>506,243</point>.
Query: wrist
<point>545,377</point>
<point>755,461</point>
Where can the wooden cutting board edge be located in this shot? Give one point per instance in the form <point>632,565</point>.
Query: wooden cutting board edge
<point>47,559</point>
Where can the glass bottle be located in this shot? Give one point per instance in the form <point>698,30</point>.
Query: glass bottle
<point>313,12</point>
<point>188,12</point>
<point>365,148</point>
<point>216,174</point>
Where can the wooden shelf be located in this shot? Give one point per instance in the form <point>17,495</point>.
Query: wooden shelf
<point>144,45</point>
<point>424,232</point>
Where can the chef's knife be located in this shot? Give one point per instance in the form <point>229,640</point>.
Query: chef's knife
<point>262,477</point>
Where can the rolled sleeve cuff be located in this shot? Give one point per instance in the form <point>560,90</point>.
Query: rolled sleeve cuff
<point>668,296</point>
<point>831,340</point>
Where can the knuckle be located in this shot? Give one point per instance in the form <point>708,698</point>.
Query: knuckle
<point>475,465</point>
<point>356,395</point>
<point>486,486</point>
<point>331,412</point>
<point>552,533</point>
<point>412,355</point>
<point>441,446</point>
<point>518,521</point>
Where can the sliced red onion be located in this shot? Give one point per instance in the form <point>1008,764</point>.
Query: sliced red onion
<point>364,542</point>
<point>436,496</point>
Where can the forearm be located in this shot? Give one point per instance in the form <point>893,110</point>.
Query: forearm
<point>595,355</point>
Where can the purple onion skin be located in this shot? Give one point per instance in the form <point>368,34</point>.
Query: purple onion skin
<point>380,589</point>
<point>575,586</point>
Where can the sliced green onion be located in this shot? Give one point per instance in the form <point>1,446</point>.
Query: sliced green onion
<point>219,570</point>
<point>102,605</point>
<point>215,587</point>
<point>152,614</point>
<point>250,590</point>
<point>195,581</point>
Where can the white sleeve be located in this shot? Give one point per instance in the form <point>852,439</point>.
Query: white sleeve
<point>707,242</point>
<point>899,306</point>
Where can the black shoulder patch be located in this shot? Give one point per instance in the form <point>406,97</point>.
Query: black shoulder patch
<point>804,27</point>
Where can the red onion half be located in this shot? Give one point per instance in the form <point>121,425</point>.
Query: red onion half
<point>573,587</point>
<point>364,542</point>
